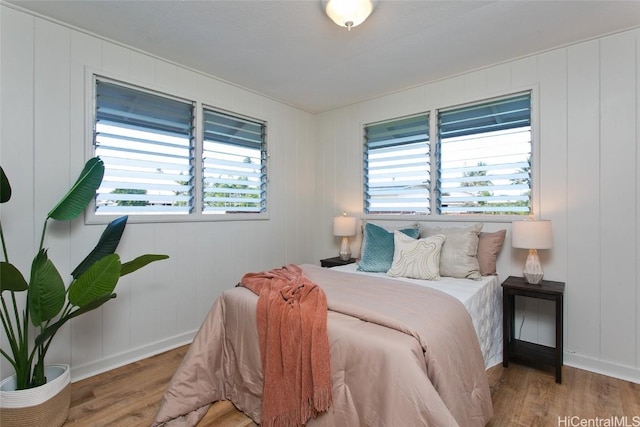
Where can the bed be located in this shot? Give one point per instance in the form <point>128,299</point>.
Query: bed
<point>482,298</point>
<point>403,352</point>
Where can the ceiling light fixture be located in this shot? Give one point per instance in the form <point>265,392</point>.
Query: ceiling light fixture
<point>348,13</point>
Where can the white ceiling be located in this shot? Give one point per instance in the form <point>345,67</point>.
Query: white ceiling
<point>291,51</point>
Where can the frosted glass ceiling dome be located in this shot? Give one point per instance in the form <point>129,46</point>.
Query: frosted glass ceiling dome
<point>348,13</point>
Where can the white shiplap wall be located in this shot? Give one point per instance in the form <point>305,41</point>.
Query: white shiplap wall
<point>586,180</point>
<point>42,149</point>
<point>587,123</point>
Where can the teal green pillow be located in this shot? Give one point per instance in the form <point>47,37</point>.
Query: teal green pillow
<point>377,247</point>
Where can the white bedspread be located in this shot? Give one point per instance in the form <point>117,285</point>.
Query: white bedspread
<point>482,299</point>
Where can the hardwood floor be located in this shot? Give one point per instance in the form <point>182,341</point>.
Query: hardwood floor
<point>129,396</point>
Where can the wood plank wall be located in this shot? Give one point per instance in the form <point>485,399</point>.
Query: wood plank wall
<point>586,180</point>
<point>44,145</point>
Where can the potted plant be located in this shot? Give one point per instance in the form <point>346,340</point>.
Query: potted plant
<point>48,304</point>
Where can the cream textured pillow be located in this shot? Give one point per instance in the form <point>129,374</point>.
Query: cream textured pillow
<point>459,251</point>
<point>416,258</point>
<point>489,247</point>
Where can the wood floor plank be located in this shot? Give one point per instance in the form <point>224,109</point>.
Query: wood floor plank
<point>129,397</point>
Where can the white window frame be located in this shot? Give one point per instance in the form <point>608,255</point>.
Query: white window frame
<point>433,137</point>
<point>197,215</point>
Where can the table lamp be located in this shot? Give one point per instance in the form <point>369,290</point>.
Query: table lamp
<point>344,226</point>
<point>532,235</point>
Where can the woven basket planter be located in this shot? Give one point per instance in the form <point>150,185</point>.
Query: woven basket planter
<point>46,406</point>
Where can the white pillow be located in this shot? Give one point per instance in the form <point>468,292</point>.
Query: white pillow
<point>416,258</point>
<point>459,251</point>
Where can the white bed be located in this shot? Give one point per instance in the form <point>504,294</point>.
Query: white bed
<point>482,299</point>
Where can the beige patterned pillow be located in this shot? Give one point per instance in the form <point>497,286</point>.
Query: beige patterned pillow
<point>459,252</point>
<point>416,258</point>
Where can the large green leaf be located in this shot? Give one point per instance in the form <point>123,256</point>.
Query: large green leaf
<point>11,278</point>
<point>139,262</point>
<point>107,245</point>
<point>5,187</point>
<point>83,191</point>
<point>99,280</point>
<point>46,290</point>
<point>52,329</point>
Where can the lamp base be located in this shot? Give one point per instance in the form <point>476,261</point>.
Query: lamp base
<point>345,249</point>
<point>532,272</point>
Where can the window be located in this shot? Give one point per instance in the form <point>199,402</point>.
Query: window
<point>153,156</point>
<point>397,166</point>
<point>482,161</point>
<point>485,157</point>
<point>146,143</point>
<point>234,162</point>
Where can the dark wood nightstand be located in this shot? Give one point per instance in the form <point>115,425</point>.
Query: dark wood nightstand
<point>335,261</point>
<point>526,352</point>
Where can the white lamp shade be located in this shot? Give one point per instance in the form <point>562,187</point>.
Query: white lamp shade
<point>344,226</point>
<point>531,234</point>
<point>348,13</point>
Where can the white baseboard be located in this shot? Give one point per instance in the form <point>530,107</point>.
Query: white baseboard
<point>626,373</point>
<point>84,371</point>
<point>94,368</point>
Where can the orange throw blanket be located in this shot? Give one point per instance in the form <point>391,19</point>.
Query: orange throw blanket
<point>294,346</point>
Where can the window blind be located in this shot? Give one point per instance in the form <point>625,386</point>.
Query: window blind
<point>485,157</point>
<point>146,142</point>
<point>234,164</point>
<point>397,166</point>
